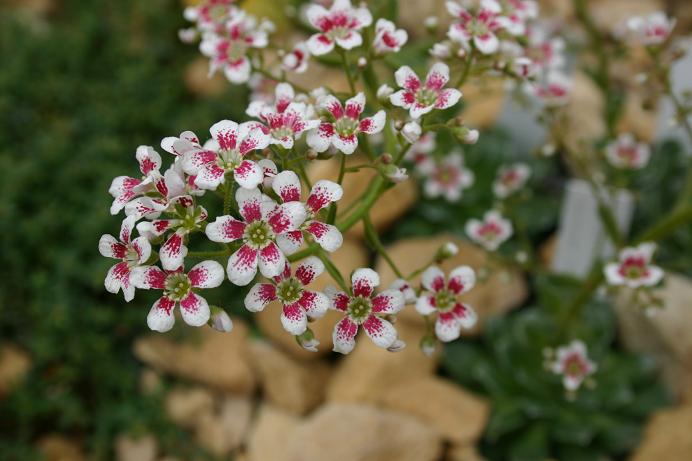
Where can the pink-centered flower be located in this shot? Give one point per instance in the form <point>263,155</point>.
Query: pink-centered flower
<point>345,124</point>
<point>339,25</point>
<point>553,90</point>
<point>419,152</point>
<point>263,221</point>
<point>478,29</point>
<point>650,30</point>
<point>446,178</point>
<point>442,298</point>
<point>514,15</point>
<point>297,59</point>
<point>130,252</point>
<point>634,268</point>
<point>323,193</point>
<point>362,308</point>
<point>491,232</point>
<point>406,289</point>
<point>388,39</point>
<point>211,15</point>
<point>422,97</point>
<point>510,179</point>
<point>225,154</point>
<point>285,120</point>
<point>229,51</point>
<point>179,290</point>
<point>124,188</point>
<point>572,362</point>
<point>298,302</point>
<point>626,153</point>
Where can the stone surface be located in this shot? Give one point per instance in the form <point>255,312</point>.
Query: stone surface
<point>339,432</point>
<point>608,14</point>
<point>463,453</point>
<point>14,365</point>
<point>369,372</point>
<point>197,79</point>
<point>271,433</point>
<point>56,447</point>
<point>186,407</point>
<point>224,431</point>
<point>456,414</point>
<point>389,207</point>
<point>150,381</point>
<point>129,448</point>
<point>667,436</point>
<point>503,290</point>
<point>484,99</point>
<point>293,385</point>
<point>583,117</point>
<point>350,256</point>
<point>213,358</point>
<point>665,336</point>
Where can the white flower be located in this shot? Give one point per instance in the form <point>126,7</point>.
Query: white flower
<point>388,39</point>
<point>510,178</point>
<point>650,30</point>
<point>421,98</point>
<point>447,177</point>
<point>572,362</point>
<point>411,131</point>
<point>340,25</point>
<point>491,232</point>
<point>626,153</point>
<point>297,60</point>
<point>634,268</point>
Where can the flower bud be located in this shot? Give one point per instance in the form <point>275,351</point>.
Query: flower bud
<point>394,173</point>
<point>446,251</point>
<point>411,131</point>
<point>188,35</point>
<point>431,23</point>
<point>441,50</point>
<point>386,158</point>
<point>398,125</point>
<point>311,154</point>
<point>384,91</point>
<point>308,341</point>
<point>220,320</point>
<point>466,135</point>
<point>396,346</point>
<point>428,345</point>
<point>362,62</point>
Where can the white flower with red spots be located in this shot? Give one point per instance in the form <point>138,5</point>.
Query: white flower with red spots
<point>179,290</point>
<point>124,188</point>
<point>286,119</point>
<point>545,50</point>
<point>363,308</point>
<point>446,178</point>
<point>491,232</point>
<point>510,179</point>
<point>229,51</point>
<point>388,39</point>
<point>442,298</point>
<point>298,302</point>
<point>626,153</point>
<point>263,221</point>
<point>131,253</point>
<point>225,154</point>
<point>634,268</point>
<point>345,124</point>
<point>338,25</point>
<point>297,59</point>
<point>179,145</point>
<point>514,15</point>
<point>323,193</point>
<point>421,98</point>
<point>553,90</point>
<point>406,289</point>
<point>419,152</point>
<point>650,30</point>
<point>211,14</point>
<point>572,362</point>
<point>478,29</point>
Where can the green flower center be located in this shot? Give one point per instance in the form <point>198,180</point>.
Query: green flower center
<point>289,291</point>
<point>280,133</point>
<point>346,126</point>
<point>426,97</point>
<point>229,159</point>
<point>237,49</point>
<point>445,300</point>
<point>477,28</point>
<point>258,234</point>
<point>359,309</point>
<point>177,286</point>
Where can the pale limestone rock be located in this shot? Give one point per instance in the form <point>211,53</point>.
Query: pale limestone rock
<point>293,385</point>
<point>456,414</point>
<point>463,453</point>
<point>350,256</point>
<point>503,290</point>
<point>338,432</point>
<point>213,358</point>
<point>186,407</point>
<point>129,448</point>
<point>271,433</point>
<point>150,381</point>
<point>667,436</point>
<point>224,431</point>
<point>14,365</point>
<point>484,99</point>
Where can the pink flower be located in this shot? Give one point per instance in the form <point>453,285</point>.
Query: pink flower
<point>442,297</point>
<point>298,302</point>
<point>131,253</point>
<point>572,362</point>
<point>225,154</point>
<point>339,25</point>
<point>287,186</point>
<point>634,268</point>
<point>419,152</point>
<point>491,232</point>
<point>422,98</point>
<point>286,119</point>
<point>229,51</point>
<point>263,222</point>
<point>627,153</point>
<point>388,39</point>
<point>479,29</point>
<point>650,30</point>
<point>178,290</point>
<point>553,90</point>
<point>297,59</point>
<point>124,188</point>
<point>510,178</point>
<point>211,14</point>
<point>447,177</point>
<point>406,289</point>
<point>345,126</point>
<point>515,14</point>
<point>362,308</point>
<point>546,51</point>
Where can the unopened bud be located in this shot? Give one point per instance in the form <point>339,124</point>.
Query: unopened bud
<point>188,36</point>
<point>307,341</point>
<point>311,154</point>
<point>446,251</point>
<point>384,91</point>
<point>220,320</point>
<point>394,173</point>
<point>431,23</point>
<point>386,158</point>
<point>466,135</point>
<point>362,62</point>
<point>398,125</point>
<point>428,345</point>
<point>411,131</point>
<point>396,346</point>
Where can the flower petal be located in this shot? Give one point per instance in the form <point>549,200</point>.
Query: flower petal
<point>271,260</point>
<point>374,124</point>
<point>290,242</point>
<point>461,279</point>
<point>319,44</point>
<point>465,315</point>
<point>173,252</point>
<point>323,193</point>
<point>195,310</point>
<point>364,281</point>
<point>425,304</point>
<point>315,303</point>
<point>118,276</point>
<point>210,176</point>
<point>149,160</point>
<point>437,77</point>
<point>346,144</point>
<point>326,235</point>
<point>309,269</point>
<point>249,204</point>
<point>433,279</point>
<point>146,277</point>
<point>293,319</point>
<point>252,137</point>
<point>388,302</point>
<point>333,105</point>
<point>242,266</point>
<point>382,333</point>
<point>238,72</point>
<point>143,248</point>
<point>402,98</point>
<point>259,296</point>
<point>207,274</point>
<point>248,174</point>
<point>354,106</point>
<point>195,160</point>
<point>160,317</point>
<point>287,186</point>
<point>287,217</point>
<point>337,299</point>
<point>111,248</point>
<point>344,336</point>
<point>351,40</point>
<point>406,78</point>
<point>319,139</point>
<point>447,327</point>
<point>447,98</point>
<point>225,132</point>
<point>225,229</point>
